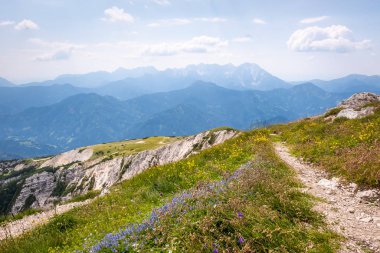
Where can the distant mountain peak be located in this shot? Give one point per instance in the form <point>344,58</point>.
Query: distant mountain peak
<point>141,70</point>
<point>244,76</point>
<point>306,84</point>
<point>249,65</point>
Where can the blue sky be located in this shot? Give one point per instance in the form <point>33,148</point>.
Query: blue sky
<point>292,39</point>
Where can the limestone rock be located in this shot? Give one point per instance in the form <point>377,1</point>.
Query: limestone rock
<point>358,100</point>
<point>329,184</point>
<point>76,155</point>
<point>352,114</point>
<point>38,188</point>
<point>369,194</point>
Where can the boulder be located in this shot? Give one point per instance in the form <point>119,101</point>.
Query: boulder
<point>350,113</point>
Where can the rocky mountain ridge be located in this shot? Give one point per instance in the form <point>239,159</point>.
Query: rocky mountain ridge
<point>42,183</point>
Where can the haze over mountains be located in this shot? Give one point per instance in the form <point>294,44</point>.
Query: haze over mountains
<point>76,110</point>
<point>351,84</point>
<point>5,83</point>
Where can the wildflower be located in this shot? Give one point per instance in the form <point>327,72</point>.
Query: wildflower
<point>241,240</point>
<point>215,250</point>
<point>240,214</point>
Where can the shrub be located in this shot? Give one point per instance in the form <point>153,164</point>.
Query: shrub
<point>63,222</point>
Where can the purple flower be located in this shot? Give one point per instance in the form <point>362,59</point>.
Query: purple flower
<point>241,240</point>
<point>215,250</point>
<point>240,214</point>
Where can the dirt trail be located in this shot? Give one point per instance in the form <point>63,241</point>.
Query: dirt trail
<point>18,227</point>
<point>346,210</point>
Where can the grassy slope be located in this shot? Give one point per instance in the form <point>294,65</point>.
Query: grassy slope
<point>276,216</point>
<point>129,147</point>
<point>348,148</point>
<point>257,209</point>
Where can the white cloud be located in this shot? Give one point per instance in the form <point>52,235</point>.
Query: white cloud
<point>115,14</point>
<point>185,21</point>
<point>259,21</point>
<point>63,54</point>
<point>211,20</point>
<point>26,24</point>
<point>170,22</point>
<point>55,51</point>
<point>55,44</point>
<point>336,38</point>
<point>6,23</point>
<point>162,49</point>
<point>162,2</point>
<point>313,20</point>
<point>201,44</point>
<point>242,39</point>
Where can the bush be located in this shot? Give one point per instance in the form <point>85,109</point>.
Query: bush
<point>63,222</point>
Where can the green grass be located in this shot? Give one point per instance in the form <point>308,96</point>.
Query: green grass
<point>130,147</point>
<point>347,148</point>
<point>333,112</point>
<point>89,195</point>
<point>261,207</point>
<point>278,217</point>
<point>222,128</point>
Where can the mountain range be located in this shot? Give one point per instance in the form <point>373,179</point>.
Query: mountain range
<point>351,84</point>
<point>86,119</point>
<point>38,119</point>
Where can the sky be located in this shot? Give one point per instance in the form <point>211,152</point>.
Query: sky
<point>292,39</point>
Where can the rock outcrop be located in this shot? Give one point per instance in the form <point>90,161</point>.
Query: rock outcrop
<point>355,106</point>
<point>358,100</point>
<point>41,184</point>
<point>76,155</point>
<point>354,114</point>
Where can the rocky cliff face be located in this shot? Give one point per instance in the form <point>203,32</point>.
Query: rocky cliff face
<point>42,183</point>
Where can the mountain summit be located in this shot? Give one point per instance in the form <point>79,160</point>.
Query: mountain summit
<point>245,76</point>
<point>143,79</point>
